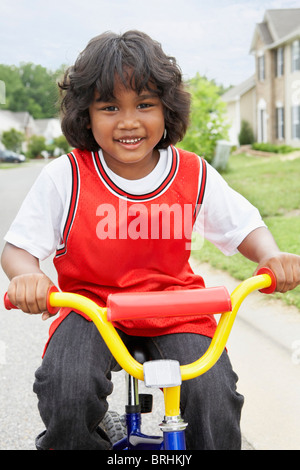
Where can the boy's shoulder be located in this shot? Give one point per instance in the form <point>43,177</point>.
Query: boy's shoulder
<point>190,159</point>
<point>58,164</point>
<point>58,170</point>
<point>188,154</point>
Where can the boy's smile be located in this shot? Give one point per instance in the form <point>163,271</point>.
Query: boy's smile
<point>127,129</point>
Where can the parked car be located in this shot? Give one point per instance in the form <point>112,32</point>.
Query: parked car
<point>10,156</point>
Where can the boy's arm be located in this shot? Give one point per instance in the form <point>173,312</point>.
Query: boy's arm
<point>259,246</point>
<point>29,285</point>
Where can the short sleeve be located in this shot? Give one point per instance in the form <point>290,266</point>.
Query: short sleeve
<point>226,217</point>
<point>38,224</point>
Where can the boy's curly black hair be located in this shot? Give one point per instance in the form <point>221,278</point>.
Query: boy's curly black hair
<point>138,61</point>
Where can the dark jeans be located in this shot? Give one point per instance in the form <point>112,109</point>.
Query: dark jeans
<point>75,378</point>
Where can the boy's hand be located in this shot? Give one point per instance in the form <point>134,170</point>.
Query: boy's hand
<point>29,293</point>
<point>286,267</point>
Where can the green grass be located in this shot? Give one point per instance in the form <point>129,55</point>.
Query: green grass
<point>269,183</point>
<point>8,165</point>
<point>5,166</point>
<point>272,185</point>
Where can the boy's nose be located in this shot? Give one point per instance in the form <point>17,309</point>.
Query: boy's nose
<point>128,121</point>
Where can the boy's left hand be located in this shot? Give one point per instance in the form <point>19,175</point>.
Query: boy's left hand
<point>286,267</point>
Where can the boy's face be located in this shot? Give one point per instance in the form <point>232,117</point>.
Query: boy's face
<point>127,129</point>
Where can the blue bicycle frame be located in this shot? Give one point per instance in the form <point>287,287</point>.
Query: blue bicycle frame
<point>136,440</point>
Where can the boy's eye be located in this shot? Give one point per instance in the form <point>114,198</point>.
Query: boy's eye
<point>110,108</point>
<point>144,105</point>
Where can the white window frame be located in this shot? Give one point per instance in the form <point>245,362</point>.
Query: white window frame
<point>279,62</point>
<point>280,122</point>
<point>261,68</point>
<point>296,122</point>
<point>262,131</point>
<point>296,55</point>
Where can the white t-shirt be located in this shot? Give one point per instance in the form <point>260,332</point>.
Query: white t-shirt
<point>225,219</point>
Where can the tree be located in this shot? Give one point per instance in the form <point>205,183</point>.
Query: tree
<point>207,124</point>
<point>36,145</point>
<point>13,140</point>
<point>31,88</point>
<point>41,90</point>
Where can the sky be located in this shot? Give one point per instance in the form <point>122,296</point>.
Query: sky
<point>209,37</point>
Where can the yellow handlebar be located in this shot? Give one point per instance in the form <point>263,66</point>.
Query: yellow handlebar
<point>224,327</point>
<point>106,329</point>
<point>118,349</point>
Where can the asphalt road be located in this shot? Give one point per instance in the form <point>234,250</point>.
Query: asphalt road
<point>264,348</point>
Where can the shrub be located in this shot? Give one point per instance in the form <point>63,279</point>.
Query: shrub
<point>272,148</point>
<point>246,135</point>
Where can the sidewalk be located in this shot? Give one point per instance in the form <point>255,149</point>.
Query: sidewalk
<point>264,348</point>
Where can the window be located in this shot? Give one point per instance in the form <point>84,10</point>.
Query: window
<point>280,123</point>
<point>296,55</point>
<point>296,122</point>
<point>261,68</point>
<point>279,67</point>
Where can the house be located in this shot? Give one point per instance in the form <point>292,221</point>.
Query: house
<point>21,121</point>
<point>240,102</point>
<point>48,128</point>
<point>275,97</point>
<point>24,122</point>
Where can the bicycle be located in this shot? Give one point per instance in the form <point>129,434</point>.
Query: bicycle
<point>165,374</point>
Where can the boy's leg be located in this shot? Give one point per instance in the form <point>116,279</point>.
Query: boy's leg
<point>210,403</point>
<point>72,385</point>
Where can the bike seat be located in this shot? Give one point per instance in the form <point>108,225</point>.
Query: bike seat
<point>139,351</point>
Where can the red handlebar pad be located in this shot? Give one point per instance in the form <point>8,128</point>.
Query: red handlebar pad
<point>130,306</point>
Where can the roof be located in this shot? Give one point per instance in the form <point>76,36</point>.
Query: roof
<point>278,27</point>
<point>23,121</point>
<point>239,90</point>
<point>17,120</point>
<point>49,128</point>
<point>282,22</point>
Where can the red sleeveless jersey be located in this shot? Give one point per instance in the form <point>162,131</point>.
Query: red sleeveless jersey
<point>114,241</point>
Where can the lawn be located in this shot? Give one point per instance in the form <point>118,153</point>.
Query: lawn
<point>272,185</point>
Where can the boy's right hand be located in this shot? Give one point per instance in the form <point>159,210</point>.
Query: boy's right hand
<point>29,292</point>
